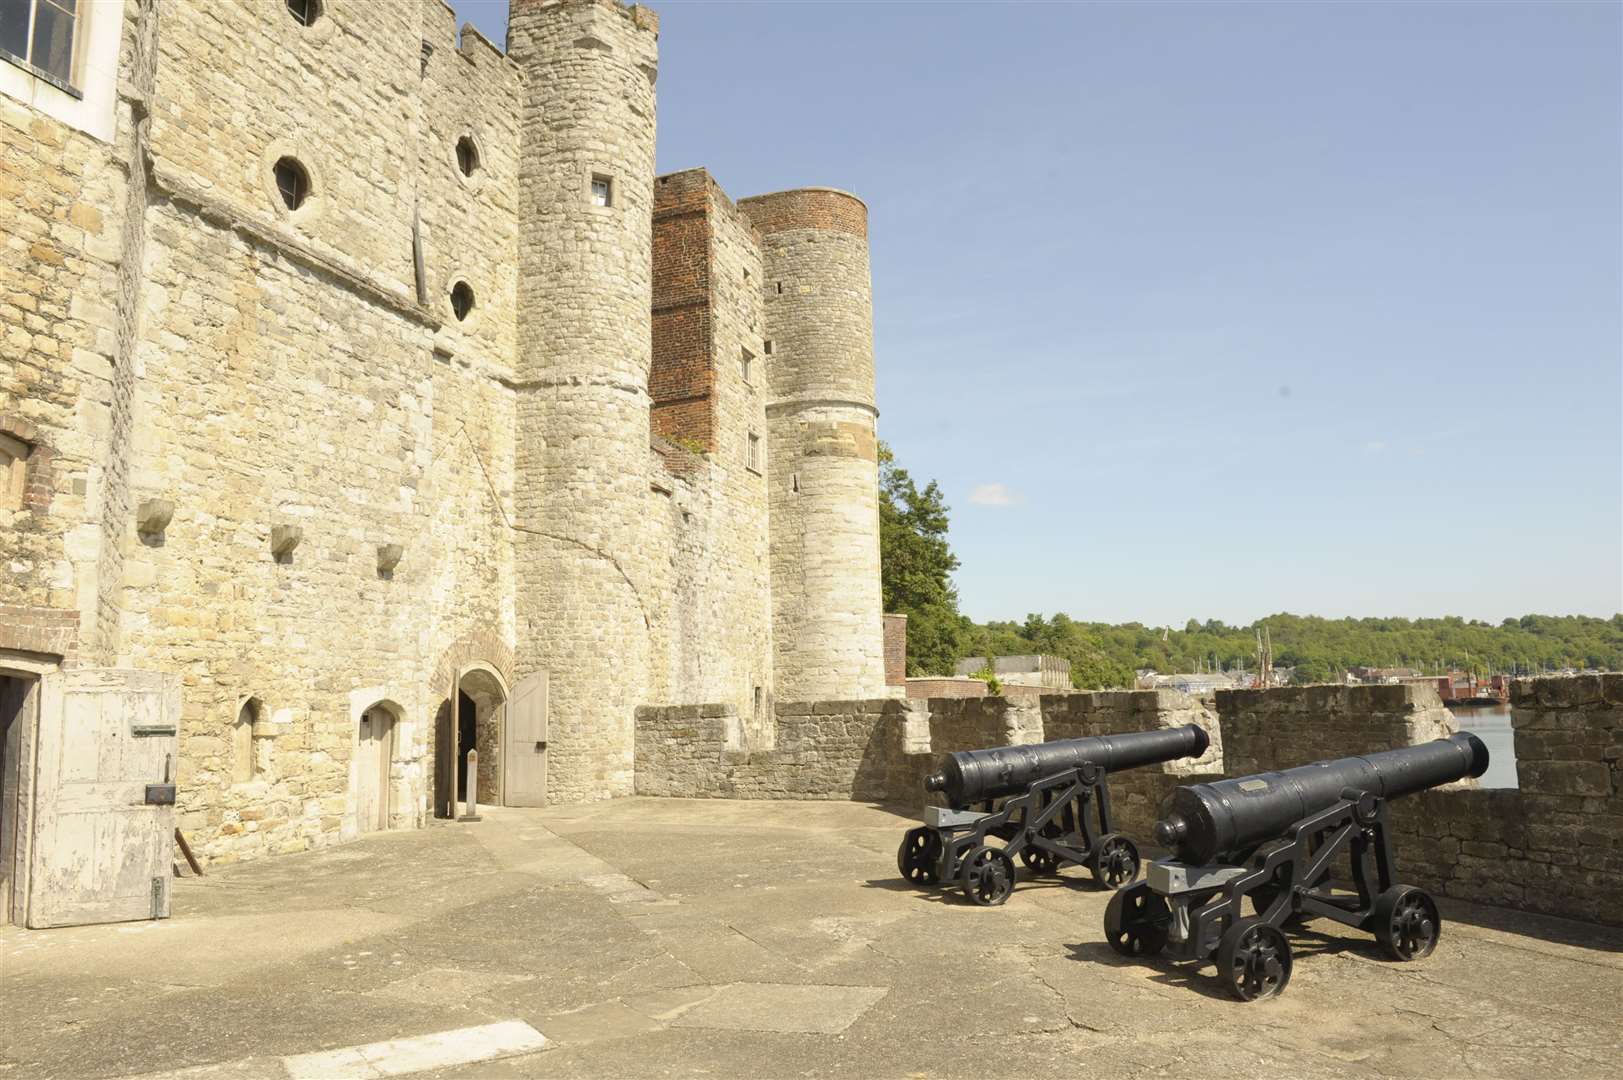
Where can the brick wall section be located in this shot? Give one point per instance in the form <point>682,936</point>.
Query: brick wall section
<point>682,376</point>
<point>895,650</point>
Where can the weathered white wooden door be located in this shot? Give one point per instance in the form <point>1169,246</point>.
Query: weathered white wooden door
<point>374,753</point>
<point>104,820</point>
<point>525,783</point>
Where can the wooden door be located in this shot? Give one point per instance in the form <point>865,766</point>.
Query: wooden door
<point>374,753</point>
<point>525,770</point>
<point>103,843</point>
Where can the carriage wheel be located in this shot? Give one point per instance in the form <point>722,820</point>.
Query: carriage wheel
<point>1114,861</point>
<point>1406,923</point>
<point>987,876</point>
<point>917,856</point>
<point>1039,860</point>
<point>1137,921</point>
<point>1254,960</point>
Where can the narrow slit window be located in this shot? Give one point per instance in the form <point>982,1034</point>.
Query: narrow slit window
<point>745,363</point>
<point>766,346</point>
<point>752,453</point>
<point>467,156</point>
<point>461,300</point>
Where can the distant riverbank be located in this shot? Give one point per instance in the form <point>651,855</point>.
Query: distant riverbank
<point>1491,723</point>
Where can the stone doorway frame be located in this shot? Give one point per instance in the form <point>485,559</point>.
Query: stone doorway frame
<point>484,653</point>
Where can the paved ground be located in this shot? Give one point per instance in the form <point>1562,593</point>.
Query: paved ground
<point>652,937</point>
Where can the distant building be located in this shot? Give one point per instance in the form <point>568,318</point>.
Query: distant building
<point>1379,675</point>
<point>1193,682</point>
<point>1031,670</point>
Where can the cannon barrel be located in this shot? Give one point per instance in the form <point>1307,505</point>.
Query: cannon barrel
<point>970,776</point>
<point>1206,821</point>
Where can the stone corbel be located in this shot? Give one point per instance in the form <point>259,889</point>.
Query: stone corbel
<point>389,557</point>
<point>284,538</point>
<point>153,517</point>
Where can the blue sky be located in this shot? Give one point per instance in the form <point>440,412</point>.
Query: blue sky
<point>1216,310</point>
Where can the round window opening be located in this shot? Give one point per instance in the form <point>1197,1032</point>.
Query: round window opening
<point>461,301</point>
<point>292,183</point>
<point>467,156</point>
<point>304,12</point>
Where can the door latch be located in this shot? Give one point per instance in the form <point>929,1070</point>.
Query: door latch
<point>162,794</point>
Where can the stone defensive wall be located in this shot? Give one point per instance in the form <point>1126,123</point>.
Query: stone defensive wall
<point>1554,845</point>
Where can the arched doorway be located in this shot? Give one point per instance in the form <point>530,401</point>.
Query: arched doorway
<point>374,765</point>
<point>476,722</point>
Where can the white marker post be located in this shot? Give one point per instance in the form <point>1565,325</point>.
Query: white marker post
<point>472,788</point>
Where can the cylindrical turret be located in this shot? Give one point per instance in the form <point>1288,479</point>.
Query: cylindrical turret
<point>822,445</point>
<point>585,198</point>
<point>1206,821</point>
<point>971,776</point>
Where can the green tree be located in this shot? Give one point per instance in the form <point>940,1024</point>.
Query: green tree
<point>916,565</point>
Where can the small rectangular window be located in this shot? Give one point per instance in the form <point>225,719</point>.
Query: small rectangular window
<point>760,699</point>
<point>766,346</point>
<point>752,455</point>
<point>745,363</point>
<point>40,33</point>
<point>602,190</point>
<point>780,288</point>
<point>13,467</point>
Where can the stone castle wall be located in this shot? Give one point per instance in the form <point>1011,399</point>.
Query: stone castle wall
<point>179,344</point>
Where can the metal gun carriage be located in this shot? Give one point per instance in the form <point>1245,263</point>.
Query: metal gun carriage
<point>1272,841</point>
<point>1045,803</point>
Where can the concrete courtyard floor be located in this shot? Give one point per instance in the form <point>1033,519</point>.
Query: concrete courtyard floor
<point>660,937</point>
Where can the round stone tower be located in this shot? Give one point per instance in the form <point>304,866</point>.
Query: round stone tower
<point>584,322</point>
<point>822,449</point>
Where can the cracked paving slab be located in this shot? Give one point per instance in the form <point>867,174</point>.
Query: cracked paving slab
<point>663,937</point>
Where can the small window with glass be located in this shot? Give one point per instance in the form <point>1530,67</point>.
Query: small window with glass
<point>602,191</point>
<point>752,453</point>
<point>40,35</point>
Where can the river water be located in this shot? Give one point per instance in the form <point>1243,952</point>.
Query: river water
<point>1491,724</point>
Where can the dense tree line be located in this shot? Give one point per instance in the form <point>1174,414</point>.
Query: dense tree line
<point>1103,654</point>
<point>917,564</point>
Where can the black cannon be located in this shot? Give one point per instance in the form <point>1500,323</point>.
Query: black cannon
<point>1046,803</point>
<point>1274,840</point>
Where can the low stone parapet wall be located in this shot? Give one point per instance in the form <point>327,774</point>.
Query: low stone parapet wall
<point>1554,846</point>
<point>823,750</point>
